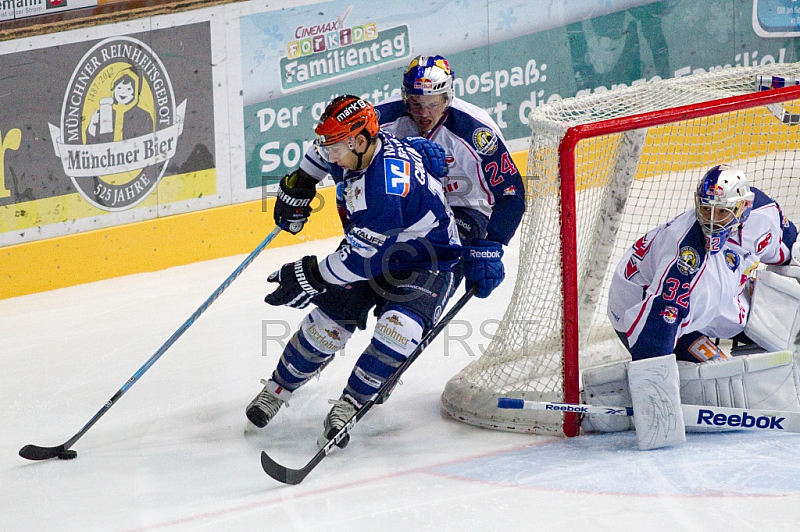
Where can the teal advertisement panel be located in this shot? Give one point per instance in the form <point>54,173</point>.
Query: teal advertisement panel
<point>509,56</point>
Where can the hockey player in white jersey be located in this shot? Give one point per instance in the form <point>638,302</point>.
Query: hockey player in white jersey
<point>400,246</point>
<point>483,186</point>
<point>690,280</point>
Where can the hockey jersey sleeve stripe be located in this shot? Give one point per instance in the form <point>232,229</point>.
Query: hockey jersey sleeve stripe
<point>419,229</point>
<point>313,165</point>
<point>334,271</point>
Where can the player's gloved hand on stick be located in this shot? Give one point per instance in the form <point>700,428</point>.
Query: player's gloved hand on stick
<point>433,155</point>
<point>293,205</point>
<point>483,266</point>
<point>299,282</point>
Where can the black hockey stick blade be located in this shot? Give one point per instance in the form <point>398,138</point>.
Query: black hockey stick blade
<point>34,452</point>
<point>285,474</point>
<point>282,473</point>
<point>296,476</point>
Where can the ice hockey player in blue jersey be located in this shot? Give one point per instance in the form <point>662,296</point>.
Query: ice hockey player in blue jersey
<point>482,183</point>
<point>401,244</point>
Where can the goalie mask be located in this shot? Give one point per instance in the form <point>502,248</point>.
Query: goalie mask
<point>722,203</point>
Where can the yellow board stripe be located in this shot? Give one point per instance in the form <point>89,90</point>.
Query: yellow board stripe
<point>156,244</point>
<point>151,245</point>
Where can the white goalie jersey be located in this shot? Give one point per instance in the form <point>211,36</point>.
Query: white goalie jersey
<point>667,286</point>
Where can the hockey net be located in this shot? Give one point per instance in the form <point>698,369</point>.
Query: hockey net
<point>602,171</point>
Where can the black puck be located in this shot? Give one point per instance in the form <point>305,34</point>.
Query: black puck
<point>67,454</point>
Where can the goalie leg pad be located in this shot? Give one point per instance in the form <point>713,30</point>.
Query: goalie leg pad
<point>774,319</point>
<point>655,394</point>
<point>606,386</point>
<point>765,381</point>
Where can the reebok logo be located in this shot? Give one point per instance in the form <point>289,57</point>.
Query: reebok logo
<point>476,254</point>
<point>709,417</point>
<point>567,408</point>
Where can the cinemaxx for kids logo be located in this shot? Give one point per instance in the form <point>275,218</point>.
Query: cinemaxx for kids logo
<point>120,124</point>
<point>333,48</point>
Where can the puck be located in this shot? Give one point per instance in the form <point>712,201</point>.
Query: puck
<point>67,454</point>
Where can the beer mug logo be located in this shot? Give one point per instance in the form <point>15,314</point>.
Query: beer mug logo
<point>119,124</point>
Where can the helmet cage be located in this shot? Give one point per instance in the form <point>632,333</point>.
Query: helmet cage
<point>722,203</point>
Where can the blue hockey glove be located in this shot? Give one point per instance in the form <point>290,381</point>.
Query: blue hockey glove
<point>483,266</point>
<point>299,282</point>
<point>433,155</point>
<point>293,204</point>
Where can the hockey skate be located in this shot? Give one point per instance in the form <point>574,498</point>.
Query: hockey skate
<point>343,409</point>
<point>263,408</point>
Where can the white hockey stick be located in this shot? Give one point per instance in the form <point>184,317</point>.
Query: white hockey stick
<point>708,417</point>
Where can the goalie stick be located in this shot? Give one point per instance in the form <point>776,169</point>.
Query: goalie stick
<point>295,476</point>
<point>708,417</point>
<point>35,452</point>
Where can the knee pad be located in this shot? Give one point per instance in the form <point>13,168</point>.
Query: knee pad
<point>400,330</point>
<point>323,333</point>
<point>396,335</point>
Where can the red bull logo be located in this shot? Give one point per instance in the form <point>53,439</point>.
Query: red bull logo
<point>670,314</point>
<point>717,191</point>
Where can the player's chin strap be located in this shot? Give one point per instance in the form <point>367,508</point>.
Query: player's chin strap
<point>361,155</point>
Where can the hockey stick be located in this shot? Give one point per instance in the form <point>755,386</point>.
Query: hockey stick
<point>786,117</point>
<point>296,476</point>
<point>35,452</point>
<point>708,417</point>
<point>766,82</point>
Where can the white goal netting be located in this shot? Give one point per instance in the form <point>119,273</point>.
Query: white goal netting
<point>631,164</point>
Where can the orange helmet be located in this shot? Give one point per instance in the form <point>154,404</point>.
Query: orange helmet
<point>345,117</point>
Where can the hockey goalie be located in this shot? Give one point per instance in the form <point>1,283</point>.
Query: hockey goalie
<point>691,280</point>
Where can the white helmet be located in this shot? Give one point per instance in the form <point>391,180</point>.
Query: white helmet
<point>428,75</point>
<point>722,203</point>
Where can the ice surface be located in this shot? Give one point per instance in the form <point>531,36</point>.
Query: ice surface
<point>172,454</point>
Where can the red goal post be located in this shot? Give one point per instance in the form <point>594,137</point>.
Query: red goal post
<point>602,170</point>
